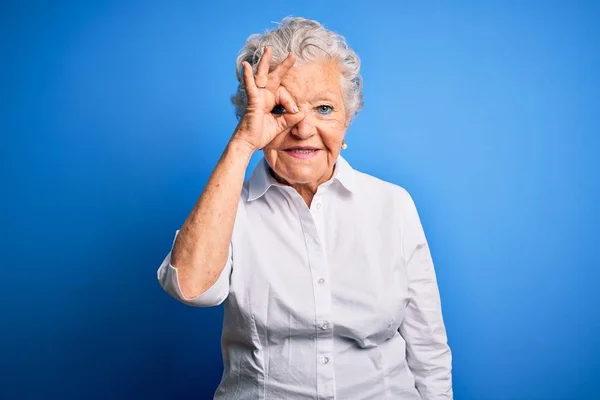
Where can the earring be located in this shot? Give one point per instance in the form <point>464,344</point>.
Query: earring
<point>344,146</point>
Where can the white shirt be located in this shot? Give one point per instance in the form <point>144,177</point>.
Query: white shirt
<point>339,301</point>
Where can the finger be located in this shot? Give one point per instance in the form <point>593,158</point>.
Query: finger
<point>293,114</point>
<point>286,100</point>
<point>249,83</point>
<point>287,121</point>
<point>279,72</point>
<point>262,70</point>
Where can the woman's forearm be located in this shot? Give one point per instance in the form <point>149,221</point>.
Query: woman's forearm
<point>201,249</point>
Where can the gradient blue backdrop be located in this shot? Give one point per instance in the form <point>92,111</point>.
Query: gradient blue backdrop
<point>113,114</point>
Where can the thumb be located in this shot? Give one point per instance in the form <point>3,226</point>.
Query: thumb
<point>292,114</point>
<point>289,120</point>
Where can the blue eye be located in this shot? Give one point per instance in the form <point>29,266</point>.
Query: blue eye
<point>324,109</point>
<point>278,110</point>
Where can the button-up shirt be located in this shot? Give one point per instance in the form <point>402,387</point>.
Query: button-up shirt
<point>338,300</point>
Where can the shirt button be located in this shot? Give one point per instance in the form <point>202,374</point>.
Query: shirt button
<point>318,206</point>
<point>325,360</point>
<point>325,326</point>
<point>321,281</point>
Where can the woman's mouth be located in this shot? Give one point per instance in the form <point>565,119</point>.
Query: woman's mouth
<point>302,153</point>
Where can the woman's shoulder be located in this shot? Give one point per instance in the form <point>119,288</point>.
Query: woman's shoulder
<point>384,197</point>
<point>379,188</point>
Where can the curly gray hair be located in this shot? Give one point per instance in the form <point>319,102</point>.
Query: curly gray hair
<point>308,40</point>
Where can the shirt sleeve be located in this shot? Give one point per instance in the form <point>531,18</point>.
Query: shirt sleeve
<point>427,351</point>
<point>215,295</point>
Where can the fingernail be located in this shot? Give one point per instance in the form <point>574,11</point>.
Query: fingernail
<point>296,109</point>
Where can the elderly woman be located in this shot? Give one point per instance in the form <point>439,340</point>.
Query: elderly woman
<point>328,284</point>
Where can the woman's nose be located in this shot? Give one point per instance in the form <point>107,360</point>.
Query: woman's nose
<point>303,129</point>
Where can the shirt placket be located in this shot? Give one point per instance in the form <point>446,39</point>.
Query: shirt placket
<point>312,223</point>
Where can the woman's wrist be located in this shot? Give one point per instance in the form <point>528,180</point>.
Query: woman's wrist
<point>240,149</point>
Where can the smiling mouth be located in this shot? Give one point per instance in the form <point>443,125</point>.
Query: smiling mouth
<point>301,151</point>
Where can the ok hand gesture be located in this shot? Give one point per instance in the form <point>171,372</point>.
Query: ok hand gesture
<point>271,109</point>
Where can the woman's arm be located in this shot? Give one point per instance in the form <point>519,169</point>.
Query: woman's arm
<point>427,351</point>
<point>201,249</point>
<point>200,257</point>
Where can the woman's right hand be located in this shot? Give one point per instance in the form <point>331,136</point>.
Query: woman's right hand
<point>271,109</point>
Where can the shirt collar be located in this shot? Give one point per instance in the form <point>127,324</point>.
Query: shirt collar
<point>261,179</point>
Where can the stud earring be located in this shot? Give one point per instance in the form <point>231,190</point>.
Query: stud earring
<point>344,146</point>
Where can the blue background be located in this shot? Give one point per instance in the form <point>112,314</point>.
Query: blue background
<point>113,114</point>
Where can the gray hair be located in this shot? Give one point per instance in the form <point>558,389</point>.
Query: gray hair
<point>308,40</point>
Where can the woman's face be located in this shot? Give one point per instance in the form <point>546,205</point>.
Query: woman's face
<point>305,154</point>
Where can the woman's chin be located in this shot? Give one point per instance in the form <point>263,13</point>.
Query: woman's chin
<point>303,176</point>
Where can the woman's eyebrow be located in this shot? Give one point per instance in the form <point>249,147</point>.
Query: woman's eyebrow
<point>324,95</point>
